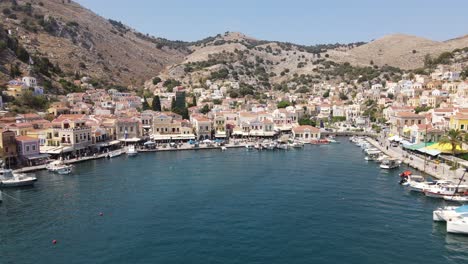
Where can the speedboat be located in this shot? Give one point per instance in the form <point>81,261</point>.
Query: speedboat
<point>59,167</point>
<point>114,153</point>
<point>416,183</point>
<point>443,214</point>
<point>12,179</point>
<point>131,151</point>
<point>332,140</point>
<point>458,224</point>
<point>390,164</point>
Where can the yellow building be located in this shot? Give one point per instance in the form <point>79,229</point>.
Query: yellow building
<point>459,121</point>
<point>15,88</point>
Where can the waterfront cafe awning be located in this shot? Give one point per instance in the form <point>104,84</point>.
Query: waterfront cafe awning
<point>38,156</point>
<point>418,146</point>
<point>220,135</point>
<point>445,148</point>
<point>55,150</point>
<point>108,143</point>
<point>131,140</point>
<point>432,152</point>
<point>173,137</point>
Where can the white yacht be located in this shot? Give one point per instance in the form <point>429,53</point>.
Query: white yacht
<point>59,167</point>
<point>458,224</point>
<point>8,178</point>
<point>390,164</point>
<point>132,151</point>
<point>442,214</point>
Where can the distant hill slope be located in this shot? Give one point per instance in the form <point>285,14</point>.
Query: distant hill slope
<point>79,41</point>
<point>398,50</point>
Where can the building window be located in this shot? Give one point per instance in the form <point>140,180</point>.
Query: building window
<point>34,147</point>
<point>27,148</point>
<point>462,127</point>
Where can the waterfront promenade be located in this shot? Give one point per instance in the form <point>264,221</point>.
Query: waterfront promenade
<point>439,171</point>
<point>185,146</point>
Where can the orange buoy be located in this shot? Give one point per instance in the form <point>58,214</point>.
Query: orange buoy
<point>54,241</point>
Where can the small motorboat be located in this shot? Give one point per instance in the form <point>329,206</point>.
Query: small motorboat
<point>12,179</point>
<point>114,153</point>
<point>389,164</point>
<point>372,157</point>
<point>223,148</point>
<point>249,147</point>
<point>59,167</point>
<point>132,151</point>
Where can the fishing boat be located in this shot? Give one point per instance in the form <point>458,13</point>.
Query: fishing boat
<point>441,190</point>
<point>332,140</point>
<point>114,153</point>
<point>59,167</point>
<point>443,214</point>
<point>132,151</point>
<point>8,178</point>
<point>271,146</point>
<point>389,164</point>
<point>458,224</point>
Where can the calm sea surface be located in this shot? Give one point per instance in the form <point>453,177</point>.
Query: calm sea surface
<point>322,204</point>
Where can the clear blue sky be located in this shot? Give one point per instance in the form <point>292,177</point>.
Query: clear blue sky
<point>298,21</point>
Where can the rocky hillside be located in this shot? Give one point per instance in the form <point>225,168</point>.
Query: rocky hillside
<point>398,50</point>
<point>79,42</point>
<point>236,58</point>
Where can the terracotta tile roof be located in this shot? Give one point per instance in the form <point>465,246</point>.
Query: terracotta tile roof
<point>26,138</point>
<point>301,129</point>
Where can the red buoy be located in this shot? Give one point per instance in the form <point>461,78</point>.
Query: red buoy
<point>54,241</point>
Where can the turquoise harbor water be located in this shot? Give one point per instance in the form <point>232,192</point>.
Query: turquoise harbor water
<point>322,204</point>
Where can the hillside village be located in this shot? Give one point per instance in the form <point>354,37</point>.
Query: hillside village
<point>57,101</point>
<point>417,108</point>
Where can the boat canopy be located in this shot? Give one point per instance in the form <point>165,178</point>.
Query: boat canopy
<point>462,209</point>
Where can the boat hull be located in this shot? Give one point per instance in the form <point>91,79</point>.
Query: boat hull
<point>457,226</point>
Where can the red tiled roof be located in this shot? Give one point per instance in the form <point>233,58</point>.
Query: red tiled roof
<point>26,138</point>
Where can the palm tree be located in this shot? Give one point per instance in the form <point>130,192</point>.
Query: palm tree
<point>455,138</point>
